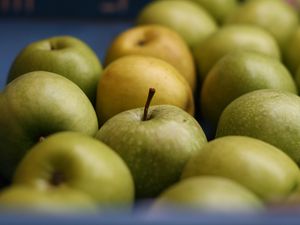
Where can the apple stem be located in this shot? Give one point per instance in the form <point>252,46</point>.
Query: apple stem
<point>147,105</point>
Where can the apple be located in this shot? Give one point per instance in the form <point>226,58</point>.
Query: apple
<point>154,142</point>
<point>157,41</point>
<point>36,105</point>
<point>29,200</point>
<point>291,56</point>
<point>262,168</point>
<point>269,115</point>
<point>125,82</point>
<point>206,194</point>
<point>231,38</point>
<point>237,73</point>
<point>187,18</point>
<point>65,55</point>
<point>277,17</point>
<point>68,162</point>
<point>219,9</point>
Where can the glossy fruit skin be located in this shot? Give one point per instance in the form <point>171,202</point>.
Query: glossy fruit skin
<point>78,162</point>
<point>65,55</point>
<point>262,168</point>
<point>238,73</point>
<point>206,194</point>
<point>231,38</point>
<point>129,75</point>
<point>157,41</point>
<point>35,105</point>
<point>277,17</point>
<point>291,56</point>
<point>155,150</point>
<point>187,18</point>
<point>268,115</point>
<point>60,202</point>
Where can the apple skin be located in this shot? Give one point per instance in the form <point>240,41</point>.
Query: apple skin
<point>237,73</point>
<point>187,18</point>
<point>156,149</point>
<point>206,194</point>
<point>157,41</point>
<point>77,161</point>
<point>29,200</point>
<point>268,115</point>
<point>35,105</point>
<point>125,82</point>
<point>262,168</point>
<point>65,55</point>
<point>233,37</point>
<point>219,9</point>
<point>277,17</point>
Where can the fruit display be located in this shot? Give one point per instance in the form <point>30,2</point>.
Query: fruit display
<point>193,108</point>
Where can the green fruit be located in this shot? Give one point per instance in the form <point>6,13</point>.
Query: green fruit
<point>187,18</point>
<point>277,17</point>
<point>64,55</point>
<point>63,201</point>
<point>157,41</point>
<point>231,38</point>
<point>238,73</point>
<point>269,115</point>
<point>219,9</point>
<point>155,149</point>
<point>125,82</point>
<point>207,194</point>
<point>291,56</point>
<point>71,160</point>
<point>259,166</point>
<point>35,105</point>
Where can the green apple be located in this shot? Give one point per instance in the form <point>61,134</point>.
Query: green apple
<point>233,37</point>
<point>207,194</point>
<point>125,82</point>
<point>64,201</point>
<point>155,145</point>
<point>187,18</point>
<point>269,115</point>
<point>74,161</point>
<point>219,9</point>
<point>35,105</point>
<point>237,73</point>
<point>157,41</point>
<point>257,165</point>
<point>291,52</point>
<point>277,17</point>
<point>65,55</point>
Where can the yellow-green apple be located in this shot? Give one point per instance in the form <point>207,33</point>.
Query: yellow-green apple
<point>35,105</point>
<point>206,194</point>
<point>155,143</point>
<point>291,52</point>
<point>237,73</point>
<point>65,55</point>
<point>262,168</point>
<point>157,41</point>
<point>219,9</point>
<point>75,162</point>
<point>187,18</point>
<point>269,115</point>
<point>233,37</point>
<point>277,17</point>
<point>25,199</point>
<point>125,82</point>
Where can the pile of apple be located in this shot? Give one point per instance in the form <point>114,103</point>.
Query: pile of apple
<point>195,108</point>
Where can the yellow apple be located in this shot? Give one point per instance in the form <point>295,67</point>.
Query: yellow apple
<point>125,83</point>
<point>157,41</point>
